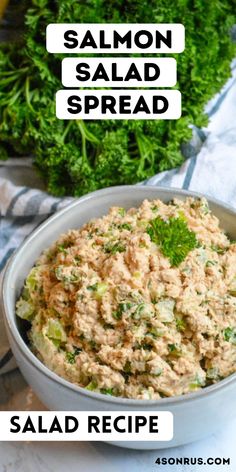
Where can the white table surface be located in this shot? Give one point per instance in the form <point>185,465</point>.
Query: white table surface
<point>15,394</point>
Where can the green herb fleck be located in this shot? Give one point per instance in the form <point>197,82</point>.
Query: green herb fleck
<point>146,346</point>
<point>107,391</point>
<point>154,332</point>
<point>98,288</point>
<point>142,244</point>
<point>93,344</point>
<point>108,326</point>
<point>121,211</point>
<point>62,248</point>
<point>122,308</point>
<point>210,263</point>
<point>180,324</point>
<point>68,278</point>
<point>113,248</point>
<point>218,249</point>
<point>93,287</point>
<point>174,350</point>
<point>70,356</point>
<point>154,208</point>
<point>77,260</point>
<point>230,335</point>
<point>125,226</point>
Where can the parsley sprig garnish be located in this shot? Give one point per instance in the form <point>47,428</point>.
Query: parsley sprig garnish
<point>173,237</point>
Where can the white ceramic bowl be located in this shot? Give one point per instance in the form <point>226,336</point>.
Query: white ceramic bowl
<point>196,414</point>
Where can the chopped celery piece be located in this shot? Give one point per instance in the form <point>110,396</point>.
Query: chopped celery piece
<point>155,333</point>
<point>157,371</point>
<point>41,343</point>
<point>25,294</point>
<point>99,289</point>
<point>32,279</point>
<point>165,310</point>
<point>143,311</point>
<point>142,224</point>
<point>198,382</point>
<point>24,309</point>
<point>92,385</point>
<point>122,211</point>
<point>55,331</point>
<point>212,373</point>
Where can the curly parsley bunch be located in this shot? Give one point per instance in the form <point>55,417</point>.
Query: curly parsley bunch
<point>77,157</point>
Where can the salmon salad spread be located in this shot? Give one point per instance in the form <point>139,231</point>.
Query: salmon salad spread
<point>139,303</point>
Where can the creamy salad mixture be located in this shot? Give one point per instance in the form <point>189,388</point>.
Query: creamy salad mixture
<point>139,303</point>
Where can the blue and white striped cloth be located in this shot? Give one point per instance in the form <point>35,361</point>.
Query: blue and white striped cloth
<point>22,209</point>
<point>210,169</point>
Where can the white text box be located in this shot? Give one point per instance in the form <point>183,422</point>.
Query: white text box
<point>86,426</point>
<point>115,38</point>
<point>118,104</point>
<point>132,72</point>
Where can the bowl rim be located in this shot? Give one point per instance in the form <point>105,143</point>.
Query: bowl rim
<point>13,332</point>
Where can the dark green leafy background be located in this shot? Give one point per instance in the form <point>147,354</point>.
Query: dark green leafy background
<point>75,157</point>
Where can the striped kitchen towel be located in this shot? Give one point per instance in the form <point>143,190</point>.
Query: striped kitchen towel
<point>210,169</point>
<point>22,209</point>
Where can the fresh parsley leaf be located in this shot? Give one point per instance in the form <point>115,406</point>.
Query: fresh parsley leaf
<point>173,237</point>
